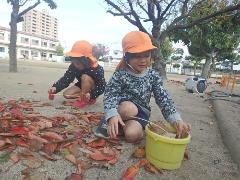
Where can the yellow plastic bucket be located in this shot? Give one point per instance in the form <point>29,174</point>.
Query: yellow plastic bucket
<point>165,152</point>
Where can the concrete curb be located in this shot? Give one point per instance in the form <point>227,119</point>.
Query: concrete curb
<point>230,139</point>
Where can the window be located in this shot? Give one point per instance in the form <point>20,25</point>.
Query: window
<point>44,44</point>
<point>52,45</point>
<point>35,42</point>
<point>1,35</point>
<point>2,49</point>
<point>44,54</point>
<point>34,53</point>
<point>24,40</point>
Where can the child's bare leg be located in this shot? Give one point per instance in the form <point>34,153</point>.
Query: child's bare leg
<point>87,83</point>
<point>71,91</point>
<point>132,129</point>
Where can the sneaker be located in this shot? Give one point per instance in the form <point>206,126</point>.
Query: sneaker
<point>101,130</point>
<point>79,104</point>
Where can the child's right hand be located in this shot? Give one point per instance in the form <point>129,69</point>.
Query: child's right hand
<point>52,90</point>
<point>113,126</point>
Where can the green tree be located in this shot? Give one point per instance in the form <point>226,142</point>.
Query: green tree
<point>59,50</point>
<point>16,17</point>
<point>207,40</point>
<point>167,49</point>
<point>163,17</point>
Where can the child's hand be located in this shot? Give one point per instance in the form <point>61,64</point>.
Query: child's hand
<point>52,90</point>
<point>113,126</point>
<point>85,97</point>
<point>182,128</point>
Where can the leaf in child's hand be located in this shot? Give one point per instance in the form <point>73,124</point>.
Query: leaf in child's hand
<point>97,143</point>
<point>139,152</point>
<point>152,169</point>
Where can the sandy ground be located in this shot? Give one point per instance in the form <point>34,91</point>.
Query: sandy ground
<point>210,159</point>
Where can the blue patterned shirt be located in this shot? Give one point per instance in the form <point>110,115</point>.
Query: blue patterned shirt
<point>137,88</point>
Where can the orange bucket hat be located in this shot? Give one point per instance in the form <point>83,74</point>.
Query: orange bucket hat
<point>135,42</point>
<point>83,48</point>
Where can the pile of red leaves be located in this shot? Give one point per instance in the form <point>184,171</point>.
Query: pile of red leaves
<point>52,137</point>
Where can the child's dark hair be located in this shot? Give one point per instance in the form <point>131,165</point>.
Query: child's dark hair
<point>84,60</point>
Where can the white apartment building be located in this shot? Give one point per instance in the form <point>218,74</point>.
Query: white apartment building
<point>40,23</point>
<point>29,46</point>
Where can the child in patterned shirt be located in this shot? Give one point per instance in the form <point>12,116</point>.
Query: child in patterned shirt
<point>90,76</point>
<point>128,93</point>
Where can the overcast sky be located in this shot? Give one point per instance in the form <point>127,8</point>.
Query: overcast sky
<point>78,20</point>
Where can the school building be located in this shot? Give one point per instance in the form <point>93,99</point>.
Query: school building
<point>29,46</point>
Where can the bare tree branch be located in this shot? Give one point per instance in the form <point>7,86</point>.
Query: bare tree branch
<point>151,11</point>
<point>139,24</point>
<point>28,9</point>
<point>165,10</point>
<point>23,3</point>
<point>120,12</point>
<point>184,7</point>
<point>142,7</point>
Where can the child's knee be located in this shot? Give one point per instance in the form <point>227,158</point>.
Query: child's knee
<point>127,109</point>
<point>87,78</point>
<point>133,135</point>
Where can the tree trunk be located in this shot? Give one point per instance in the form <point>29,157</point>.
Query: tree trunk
<point>195,68</point>
<point>13,41</point>
<point>158,61</point>
<point>206,67</point>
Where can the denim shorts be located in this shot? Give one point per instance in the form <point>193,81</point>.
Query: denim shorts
<point>142,113</point>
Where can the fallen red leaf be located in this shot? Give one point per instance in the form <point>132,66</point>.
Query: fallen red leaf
<point>152,169</point>
<point>99,156</point>
<point>50,148</point>
<point>47,156</point>
<point>142,163</point>
<point>19,130</point>
<point>74,176</point>
<point>2,143</point>
<point>130,173</point>
<point>14,157</point>
<point>5,124</point>
<point>12,102</point>
<point>71,158</point>
<point>21,142</point>
<point>37,138</point>
<point>2,107</point>
<point>186,155</point>
<point>139,152</point>
<point>52,136</point>
<point>97,143</point>
<point>17,114</point>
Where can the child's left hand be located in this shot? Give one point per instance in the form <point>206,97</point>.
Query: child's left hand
<point>182,128</point>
